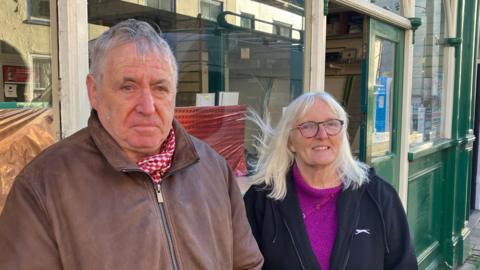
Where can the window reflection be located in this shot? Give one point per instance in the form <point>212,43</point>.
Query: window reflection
<point>384,63</point>
<point>39,9</point>
<point>230,57</point>
<point>25,59</point>
<point>427,84</point>
<point>390,5</point>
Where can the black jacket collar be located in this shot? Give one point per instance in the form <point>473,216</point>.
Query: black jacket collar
<point>347,218</point>
<point>291,216</point>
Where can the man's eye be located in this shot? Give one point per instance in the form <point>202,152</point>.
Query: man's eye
<point>127,88</point>
<point>161,89</point>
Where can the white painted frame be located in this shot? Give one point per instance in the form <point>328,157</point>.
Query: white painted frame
<point>55,77</point>
<point>409,11</point>
<point>315,36</point>
<point>451,10</point>
<point>379,13</point>
<point>73,58</point>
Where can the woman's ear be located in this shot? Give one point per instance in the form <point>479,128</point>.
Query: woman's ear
<point>290,146</point>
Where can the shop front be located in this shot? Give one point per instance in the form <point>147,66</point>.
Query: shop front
<point>29,111</point>
<point>398,67</point>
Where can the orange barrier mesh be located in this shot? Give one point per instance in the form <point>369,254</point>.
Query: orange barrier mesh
<point>222,127</point>
<point>23,134</point>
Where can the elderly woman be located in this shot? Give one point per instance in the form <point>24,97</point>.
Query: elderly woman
<point>313,206</point>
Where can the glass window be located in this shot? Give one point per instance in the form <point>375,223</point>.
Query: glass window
<point>39,10</point>
<point>282,29</point>
<point>428,73</point>
<point>41,74</point>
<point>390,5</point>
<point>28,123</point>
<point>247,21</point>
<point>224,70</point>
<point>25,59</point>
<point>210,9</point>
<point>384,66</point>
<point>160,4</point>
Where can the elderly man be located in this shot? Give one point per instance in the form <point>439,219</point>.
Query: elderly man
<point>132,190</point>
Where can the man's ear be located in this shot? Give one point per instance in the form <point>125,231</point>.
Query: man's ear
<point>92,91</point>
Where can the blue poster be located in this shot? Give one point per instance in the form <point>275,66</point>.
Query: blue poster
<point>381,104</point>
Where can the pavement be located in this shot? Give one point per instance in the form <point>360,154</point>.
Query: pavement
<point>473,259</point>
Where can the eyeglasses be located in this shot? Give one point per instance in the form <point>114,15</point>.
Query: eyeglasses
<point>310,129</point>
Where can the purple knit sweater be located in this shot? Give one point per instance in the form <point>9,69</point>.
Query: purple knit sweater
<point>319,212</point>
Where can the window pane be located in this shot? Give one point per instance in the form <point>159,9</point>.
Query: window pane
<point>282,29</point>
<point>390,5</point>
<point>160,4</point>
<point>26,117</point>
<point>247,20</point>
<point>39,9</point>
<point>427,85</point>
<point>223,66</point>
<point>384,51</point>
<point>210,9</point>
<point>25,59</point>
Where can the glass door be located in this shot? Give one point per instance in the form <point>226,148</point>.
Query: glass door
<point>382,100</point>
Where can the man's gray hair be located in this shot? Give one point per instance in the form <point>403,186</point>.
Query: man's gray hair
<point>140,33</point>
<point>275,158</point>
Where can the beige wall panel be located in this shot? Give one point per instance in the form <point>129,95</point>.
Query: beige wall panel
<point>27,38</point>
<point>188,7</point>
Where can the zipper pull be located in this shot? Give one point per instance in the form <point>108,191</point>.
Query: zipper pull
<point>158,190</point>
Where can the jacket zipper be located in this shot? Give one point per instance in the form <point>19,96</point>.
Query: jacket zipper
<point>161,206</point>
<point>347,257</point>
<point>166,228</point>
<point>294,245</point>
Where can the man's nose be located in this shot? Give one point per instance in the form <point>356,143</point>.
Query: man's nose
<point>145,103</point>
<point>322,133</point>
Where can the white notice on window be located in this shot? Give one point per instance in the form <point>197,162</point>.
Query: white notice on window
<point>10,90</point>
<point>228,98</point>
<point>205,99</point>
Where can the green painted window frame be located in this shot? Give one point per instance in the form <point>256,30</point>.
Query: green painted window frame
<point>396,35</point>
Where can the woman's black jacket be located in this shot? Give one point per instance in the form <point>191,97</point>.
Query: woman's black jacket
<point>372,230</point>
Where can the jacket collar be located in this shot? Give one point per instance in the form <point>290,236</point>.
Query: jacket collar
<point>184,155</point>
<point>348,203</point>
<point>292,218</point>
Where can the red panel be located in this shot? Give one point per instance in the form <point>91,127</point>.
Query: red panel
<point>15,74</point>
<point>222,127</point>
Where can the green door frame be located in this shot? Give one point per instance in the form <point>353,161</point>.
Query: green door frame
<point>388,165</point>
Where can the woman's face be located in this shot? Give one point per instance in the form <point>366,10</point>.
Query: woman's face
<point>321,150</point>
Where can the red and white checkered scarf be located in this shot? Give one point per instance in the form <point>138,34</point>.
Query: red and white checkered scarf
<point>158,164</point>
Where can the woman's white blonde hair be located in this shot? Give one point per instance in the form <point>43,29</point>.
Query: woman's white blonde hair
<point>275,159</point>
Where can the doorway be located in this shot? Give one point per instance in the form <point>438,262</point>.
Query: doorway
<point>363,71</point>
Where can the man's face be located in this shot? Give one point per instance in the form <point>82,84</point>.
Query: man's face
<point>134,99</point>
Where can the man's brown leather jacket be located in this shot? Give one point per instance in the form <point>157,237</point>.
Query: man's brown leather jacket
<point>81,204</point>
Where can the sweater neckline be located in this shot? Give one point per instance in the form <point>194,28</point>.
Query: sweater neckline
<point>310,192</point>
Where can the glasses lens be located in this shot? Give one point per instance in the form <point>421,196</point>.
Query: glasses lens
<point>308,129</point>
<point>332,127</point>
